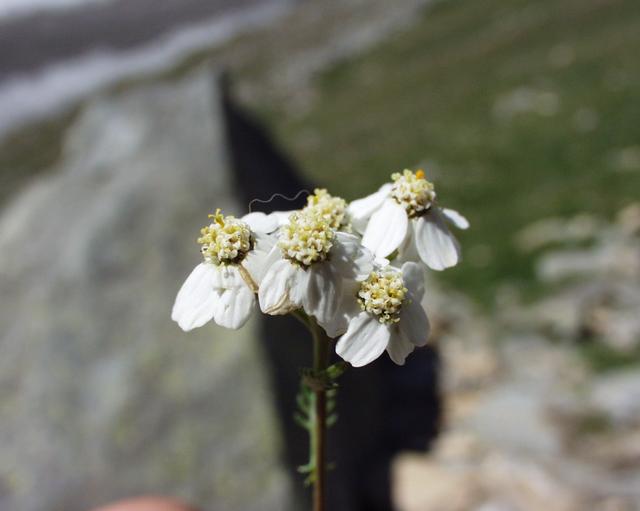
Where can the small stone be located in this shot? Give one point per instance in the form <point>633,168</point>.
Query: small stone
<point>618,396</point>
<point>419,484</point>
<point>529,486</point>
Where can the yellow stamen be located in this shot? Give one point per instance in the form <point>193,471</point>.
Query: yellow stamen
<point>382,294</point>
<point>227,240</point>
<point>307,238</point>
<point>412,191</point>
<point>331,208</point>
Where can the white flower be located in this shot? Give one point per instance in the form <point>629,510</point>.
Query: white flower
<point>308,267</point>
<point>404,216</point>
<point>223,287</point>
<point>390,317</point>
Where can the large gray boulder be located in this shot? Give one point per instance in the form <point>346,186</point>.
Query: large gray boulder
<point>101,395</point>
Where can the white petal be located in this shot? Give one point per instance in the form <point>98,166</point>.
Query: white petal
<point>261,258</point>
<point>347,310</point>
<point>259,268</point>
<point>381,262</point>
<point>299,286</point>
<point>323,292</point>
<point>196,300</point>
<point>414,323</point>
<point>455,218</point>
<point>264,242</point>
<point>236,306</point>
<point>260,222</point>
<point>350,258</point>
<point>229,277</point>
<point>407,251</point>
<point>335,326</point>
<point>282,216</point>
<point>254,264</point>
<point>399,348</point>
<point>360,210</point>
<point>365,340</point>
<point>435,244</point>
<point>275,286</point>
<point>386,229</point>
<point>413,277</point>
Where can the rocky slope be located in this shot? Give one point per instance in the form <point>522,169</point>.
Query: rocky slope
<point>533,424</point>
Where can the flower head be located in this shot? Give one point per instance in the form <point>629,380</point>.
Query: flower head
<point>307,238</point>
<point>403,216</point>
<point>413,192</point>
<point>223,287</point>
<point>332,209</point>
<point>226,240</point>
<point>390,318</point>
<point>308,267</point>
<point>382,294</point>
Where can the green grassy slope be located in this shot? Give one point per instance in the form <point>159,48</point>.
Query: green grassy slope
<point>518,110</point>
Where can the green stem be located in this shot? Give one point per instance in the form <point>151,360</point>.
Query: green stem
<point>321,345</point>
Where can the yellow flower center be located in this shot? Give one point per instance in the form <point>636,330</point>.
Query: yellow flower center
<point>307,238</point>
<point>413,192</point>
<point>331,208</point>
<point>382,294</point>
<point>226,240</point>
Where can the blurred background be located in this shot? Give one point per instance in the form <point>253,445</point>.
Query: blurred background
<point>124,122</point>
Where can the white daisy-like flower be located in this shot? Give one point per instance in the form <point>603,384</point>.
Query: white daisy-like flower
<point>404,216</point>
<point>390,317</point>
<point>224,285</point>
<point>308,266</point>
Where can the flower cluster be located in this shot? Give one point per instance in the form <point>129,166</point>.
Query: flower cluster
<point>356,269</point>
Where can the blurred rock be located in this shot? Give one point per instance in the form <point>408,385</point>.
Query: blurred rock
<point>497,481</point>
<point>618,396</point>
<point>472,362</point>
<point>514,417</point>
<point>481,477</point>
<point>611,317</point>
<point>614,253</point>
<point>463,338</point>
<point>614,450</point>
<point>528,485</point>
<point>424,485</point>
<point>609,258</point>
<point>530,425</point>
<point>530,359</point>
<point>596,288</point>
<point>102,396</point>
<point>558,230</point>
<point>629,219</point>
